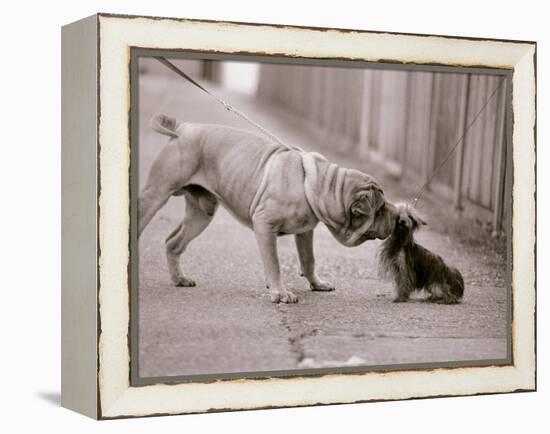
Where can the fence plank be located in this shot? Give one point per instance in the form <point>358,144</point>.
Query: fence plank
<point>488,146</point>
<point>463,122</point>
<point>366,98</point>
<point>477,139</point>
<point>500,160</point>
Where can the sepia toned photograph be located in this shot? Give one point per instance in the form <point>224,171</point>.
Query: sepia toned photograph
<point>293,218</point>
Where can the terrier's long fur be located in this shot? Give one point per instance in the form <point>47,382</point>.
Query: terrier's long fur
<point>414,267</point>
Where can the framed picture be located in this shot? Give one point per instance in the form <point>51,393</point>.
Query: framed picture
<point>261,216</point>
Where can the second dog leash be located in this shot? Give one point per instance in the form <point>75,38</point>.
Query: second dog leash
<point>450,153</point>
<point>227,106</point>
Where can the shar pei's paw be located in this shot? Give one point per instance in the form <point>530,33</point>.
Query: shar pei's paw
<point>184,281</point>
<point>283,297</point>
<point>321,285</point>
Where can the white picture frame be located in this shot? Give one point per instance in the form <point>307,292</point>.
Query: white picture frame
<point>96,218</point>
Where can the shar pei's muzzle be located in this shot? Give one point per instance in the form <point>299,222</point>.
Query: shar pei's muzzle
<point>267,187</point>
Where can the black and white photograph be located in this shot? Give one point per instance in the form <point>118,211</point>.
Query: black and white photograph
<point>295,218</point>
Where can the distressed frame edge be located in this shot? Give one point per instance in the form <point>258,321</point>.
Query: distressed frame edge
<point>528,383</point>
<point>305,27</point>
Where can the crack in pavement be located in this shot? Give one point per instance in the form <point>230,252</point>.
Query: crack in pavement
<point>295,339</point>
<point>296,345</point>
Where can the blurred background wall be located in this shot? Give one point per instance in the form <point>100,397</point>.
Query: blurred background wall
<point>403,121</point>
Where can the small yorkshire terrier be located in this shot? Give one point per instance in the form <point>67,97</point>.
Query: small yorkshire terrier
<point>414,267</point>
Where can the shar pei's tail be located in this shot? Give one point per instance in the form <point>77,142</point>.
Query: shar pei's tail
<point>165,125</point>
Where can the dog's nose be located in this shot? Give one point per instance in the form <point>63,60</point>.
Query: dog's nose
<point>402,222</point>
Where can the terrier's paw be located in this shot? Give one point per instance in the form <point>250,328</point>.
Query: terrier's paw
<point>449,299</point>
<point>400,299</point>
<point>184,281</point>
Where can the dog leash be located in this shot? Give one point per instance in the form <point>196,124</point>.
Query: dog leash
<point>450,153</point>
<point>272,136</point>
<point>227,106</point>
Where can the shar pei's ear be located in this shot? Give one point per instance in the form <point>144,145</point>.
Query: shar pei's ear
<point>367,201</point>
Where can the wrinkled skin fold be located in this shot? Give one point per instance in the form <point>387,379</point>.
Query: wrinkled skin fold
<point>350,203</point>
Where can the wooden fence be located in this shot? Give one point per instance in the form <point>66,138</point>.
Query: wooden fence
<point>408,121</point>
